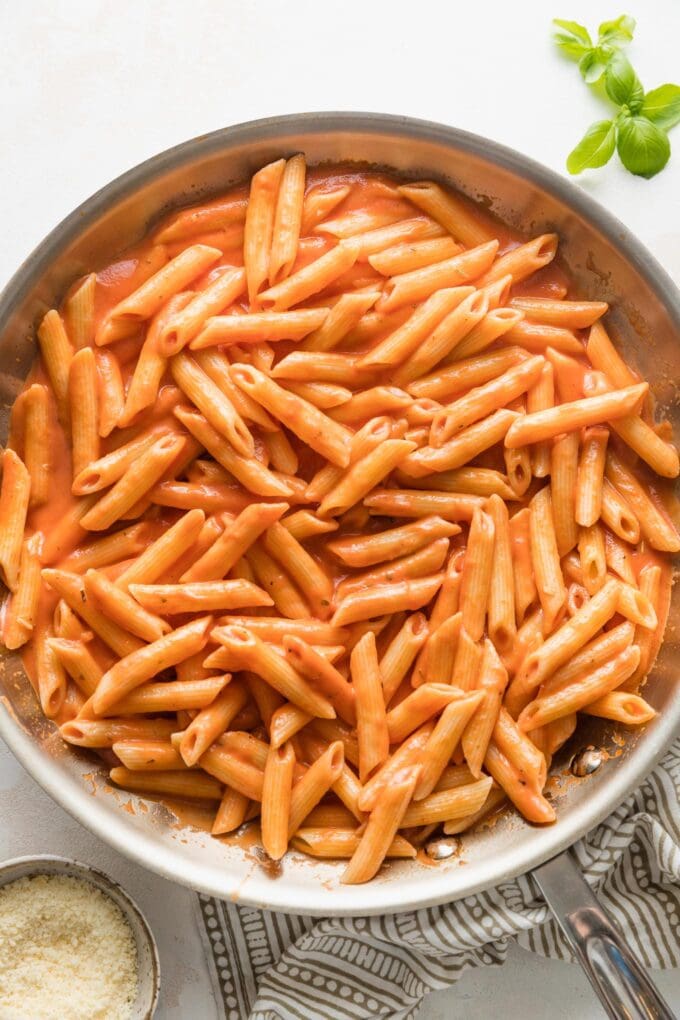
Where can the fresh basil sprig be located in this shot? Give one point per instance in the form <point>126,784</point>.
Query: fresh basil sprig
<point>638,131</point>
<point>575,41</point>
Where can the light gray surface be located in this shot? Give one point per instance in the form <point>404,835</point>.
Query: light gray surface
<point>87,89</point>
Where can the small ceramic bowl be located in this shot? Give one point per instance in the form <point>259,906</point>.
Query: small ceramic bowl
<point>148,964</point>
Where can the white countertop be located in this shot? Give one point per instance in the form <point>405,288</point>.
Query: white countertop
<point>89,88</point>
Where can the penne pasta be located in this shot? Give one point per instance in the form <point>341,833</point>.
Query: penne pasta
<point>377,557</point>
<point>14,498</point>
<point>372,720</point>
<point>533,428</point>
<point>259,225</point>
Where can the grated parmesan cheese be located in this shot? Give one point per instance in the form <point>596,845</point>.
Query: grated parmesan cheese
<point>66,952</point>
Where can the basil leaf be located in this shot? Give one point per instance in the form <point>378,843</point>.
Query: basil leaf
<point>619,31</point>
<point>572,38</point>
<point>662,106</point>
<point>622,84</point>
<point>595,148</point>
<point>643,147</point>
<point>592,65</point>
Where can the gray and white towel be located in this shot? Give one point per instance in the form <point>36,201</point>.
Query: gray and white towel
<point>272,966</point>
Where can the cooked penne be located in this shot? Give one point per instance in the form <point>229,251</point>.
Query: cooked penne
<point>314,583</point>
<point>319,778</point>
<point>79,310</point>
<point>216,365</point>
<point>258,326</point>
<point>618,515</point>
<point>415,503</point>
<point>419,706</point>
<point>158,557</point>
<point>476,577</point>
<point>312,278</point>
<point>260,659</point>
<point>259,226</point>
<point>461,448</point>
<point>495,324</point>
<point>372,719</point>
<point>249,471</point>
<point>569,314</point>
<point>492,681</point>
<point>545,557</point>
<point>420,324</point>
<point>363,475</point>
<point>377,553</point>
<point>138,755</point>
<point>287,219</point>
<point>444,338</point>
<point>462,375</point>
<point>591,549</point>
<point>586,689</point>
<point>525,585</point>
<point>37,455</point>
<point>146,662</point>
<point>122,608</point>
<point>386,598</point>
<point>530,802</point>
<point>574,415</point>
<point>590,475</point>
<point>277,790</point>
<point>198,596</point>
<point>14,498</point>
<point>655,526</point>
<point>443,741</point>
<point>306,421</point>
<point>212,403</point>
<point>603,356</point>
<point>213,215</point>
<point>629,709</point>
<point>568,639</point>
<point>336,842</point>
<point>107,732</point>
<point>110,391</point>
<point>404,256</point>
<point>192,784</point>
<point>446,804</point>
<point>449,210</point>
<point>381,829</point>
<point>272,577</point>
<point>234,542</point>
<point>343,317</point>
<point>56,353</point>
<point>135,483</point>
<point>169,696</point>
<point>563,482</point>
<point>523,260</point>
<point>320,202</point>
<point>188,322</point>
<point>22,607</point>
<point>484,400</point>
<point>540,338</point>
<point>313,665</point>
<point>364,551</point>
<point>409,288</point>
<point>172,278</point>
<point>401,653</point>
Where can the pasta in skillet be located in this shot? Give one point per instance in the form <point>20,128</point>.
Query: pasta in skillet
<point>331,507</point>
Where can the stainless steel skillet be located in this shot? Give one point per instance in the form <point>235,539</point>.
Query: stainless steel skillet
<point>606,262</point>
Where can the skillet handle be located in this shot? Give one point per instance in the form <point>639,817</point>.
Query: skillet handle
<point>618,979</point>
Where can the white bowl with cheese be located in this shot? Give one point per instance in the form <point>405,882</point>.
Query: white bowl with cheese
<point>73,944</point>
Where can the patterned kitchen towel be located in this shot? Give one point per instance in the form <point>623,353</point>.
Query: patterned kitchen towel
<point>270,966</point>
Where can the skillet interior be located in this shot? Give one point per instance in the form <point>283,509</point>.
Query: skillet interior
<point>605,261</point>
